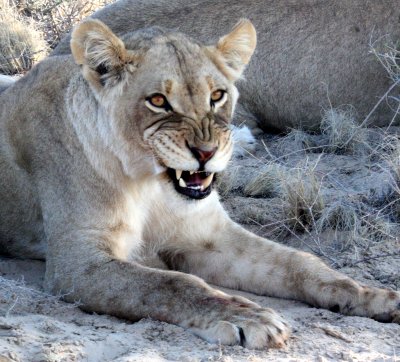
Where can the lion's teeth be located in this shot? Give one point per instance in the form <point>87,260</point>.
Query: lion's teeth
<point>178,174</point>
<point>192,172</point>
<point>182,183</point>
<point>207,181</point>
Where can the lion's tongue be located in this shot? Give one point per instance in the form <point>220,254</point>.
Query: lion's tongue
<point>196,180</point>
<point>193,180</point>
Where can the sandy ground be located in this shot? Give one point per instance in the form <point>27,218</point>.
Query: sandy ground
<point>38,327</point>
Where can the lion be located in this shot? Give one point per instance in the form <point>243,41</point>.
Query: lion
<point>311,54</point>
<point>108,160</point>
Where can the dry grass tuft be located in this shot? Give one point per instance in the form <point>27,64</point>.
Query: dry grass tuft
<point>391,200</point>
<point>340,216</point>
<point>343,134</point>
<point>227,180</point>
<point>354,224</point>
<point>21,44</point>
<point>296,141</point>
<point>267,182</point>
<point>303,202</point>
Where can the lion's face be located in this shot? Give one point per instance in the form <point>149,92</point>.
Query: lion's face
<point>172,98</point>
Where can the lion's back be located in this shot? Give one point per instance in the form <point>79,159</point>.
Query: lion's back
<point>309,54</point>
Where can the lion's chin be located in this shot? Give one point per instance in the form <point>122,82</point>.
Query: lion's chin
<point>193,184</point>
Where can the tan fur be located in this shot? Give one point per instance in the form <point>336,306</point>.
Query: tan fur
<point>311,54</point>
<point>84,158</point>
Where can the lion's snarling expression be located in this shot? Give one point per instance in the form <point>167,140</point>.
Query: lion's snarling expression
<point>177,107</point>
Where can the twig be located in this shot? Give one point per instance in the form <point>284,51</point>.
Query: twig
<point>332,333</point>
<point>11,307</point>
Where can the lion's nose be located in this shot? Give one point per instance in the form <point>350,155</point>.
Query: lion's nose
<point>203,154</point>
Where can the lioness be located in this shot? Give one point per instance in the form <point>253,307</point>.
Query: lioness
<point>311,54</point>
<point>107,173</point>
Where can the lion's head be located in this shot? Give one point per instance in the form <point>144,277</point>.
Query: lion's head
<point>171,96</point>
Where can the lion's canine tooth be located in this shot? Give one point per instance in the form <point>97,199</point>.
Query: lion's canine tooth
<point>178,174</point>
<point>192,172</point>
<point>182,183</point>
<point>207,181</point>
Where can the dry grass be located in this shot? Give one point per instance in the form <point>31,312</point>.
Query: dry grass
<point>354,218</point>
<point>21,44</point>
<point>267,182</point>
<point>29,28</point>
<point>387,52</point>
<point>326,222</point>
<point>353,224</point>
<point>57,17</point>
<point>343,133</point>
<point>390,201</point>
<point>226,181</point>
<point>296,141</point>
<point>16,297</point>
<point>300,190</point>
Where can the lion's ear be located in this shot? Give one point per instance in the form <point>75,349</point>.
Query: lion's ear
<point>97,48</point>
<point>238,46</point>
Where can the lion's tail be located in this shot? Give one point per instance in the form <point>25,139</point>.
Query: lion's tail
<point>5,82</point>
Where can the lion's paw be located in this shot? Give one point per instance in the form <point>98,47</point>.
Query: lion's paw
<point>396,316</point>
<point>392,300</point>
<point>382,305</point>
<point>249,326</point>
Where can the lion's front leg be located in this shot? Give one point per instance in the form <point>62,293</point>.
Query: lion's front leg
<point>225,254</point>
<point>82,270</point>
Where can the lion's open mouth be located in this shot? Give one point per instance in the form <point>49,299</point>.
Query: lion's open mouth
<point>194,184</point>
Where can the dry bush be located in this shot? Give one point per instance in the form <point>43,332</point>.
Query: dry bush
<point>28,28</point>
<point>21,44</point>
<point>57,17</point>
<point>343,134</point>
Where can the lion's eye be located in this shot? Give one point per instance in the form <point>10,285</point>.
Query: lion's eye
<point>158,100</point>
<point>217,96</point>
